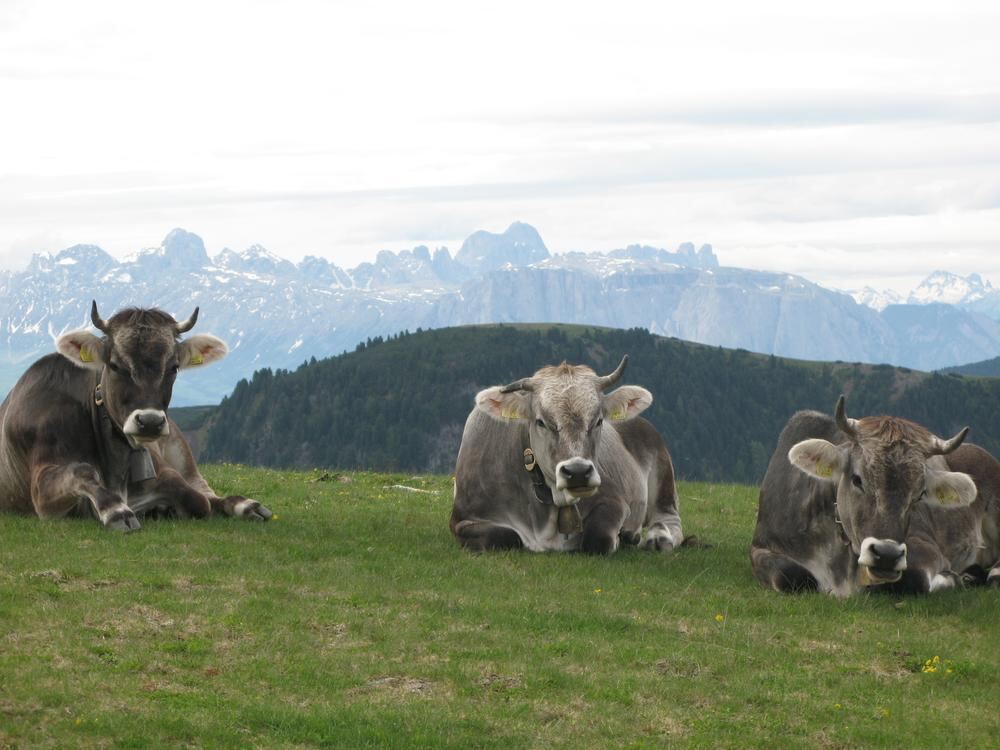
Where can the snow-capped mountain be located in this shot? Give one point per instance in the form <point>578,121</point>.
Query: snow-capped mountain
<point>951,289</point>
<point>876,299</point>
<point>274,313</point>
<point>971,293</point>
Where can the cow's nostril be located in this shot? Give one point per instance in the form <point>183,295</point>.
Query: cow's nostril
<point>576,470</point>
<point>150,421</point>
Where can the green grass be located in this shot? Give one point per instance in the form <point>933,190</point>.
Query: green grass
<point>354,621</point>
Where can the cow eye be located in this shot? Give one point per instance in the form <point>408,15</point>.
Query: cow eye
<point>856,481</point>
<point>541,423</point>
<point>114,368</point>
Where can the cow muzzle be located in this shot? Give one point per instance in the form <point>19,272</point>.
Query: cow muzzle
<point>146,425</point>
<point>881,561</point>
<point>577,478</point>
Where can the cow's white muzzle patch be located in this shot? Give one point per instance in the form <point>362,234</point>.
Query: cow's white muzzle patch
<point>576,478</point>
<point>146,425</point>
<point>882,560</point>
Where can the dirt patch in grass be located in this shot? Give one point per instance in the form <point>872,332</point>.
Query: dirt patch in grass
<point>397,688</point>
<point>678,667</point>
<point>501,683</point>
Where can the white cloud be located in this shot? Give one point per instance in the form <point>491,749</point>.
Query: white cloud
<point>788,135</point>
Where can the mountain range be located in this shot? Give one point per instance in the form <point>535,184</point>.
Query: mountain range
<point>276,314</point>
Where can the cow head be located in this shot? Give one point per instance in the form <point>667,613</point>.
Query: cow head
<point>565,408</point>
<point>138,358</point>
<point>880,472</point>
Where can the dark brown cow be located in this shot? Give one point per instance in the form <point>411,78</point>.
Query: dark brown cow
<point>85,432</point>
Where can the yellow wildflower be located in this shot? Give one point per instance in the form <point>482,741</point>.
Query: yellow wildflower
<point>720,617</point>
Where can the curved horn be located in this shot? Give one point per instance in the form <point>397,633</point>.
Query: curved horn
<point>607,381</point>
<point>524,384</point>
<point>846,425</point>
<point>96,319</point>
<point>188,324</point>
<point>941,447</point>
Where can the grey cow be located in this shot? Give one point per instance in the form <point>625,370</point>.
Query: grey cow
<point>878,501</point>
<point>85,432</point>
<point>551,462</point>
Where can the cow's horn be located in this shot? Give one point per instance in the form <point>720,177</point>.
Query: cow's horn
<point>188,324</point>
<point>524,384</point>
<point>96,319</point>
<point>845,424</point>
<point>609,380</point>
<point>941,447</point>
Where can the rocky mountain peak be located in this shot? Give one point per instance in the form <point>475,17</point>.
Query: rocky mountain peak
<point>519,245</point>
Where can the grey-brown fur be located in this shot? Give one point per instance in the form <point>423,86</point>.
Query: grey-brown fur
<point>558,413</point>
<point>848,503</point>
<point>56,442</point>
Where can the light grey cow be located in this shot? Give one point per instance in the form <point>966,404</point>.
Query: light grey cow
<point>879,501</point>
<point>551,462</point>
<point>85,432</point>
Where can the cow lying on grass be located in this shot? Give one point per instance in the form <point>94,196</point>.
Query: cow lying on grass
<point>878,501</point>
<point>551,462</point>
<point>85,432</point>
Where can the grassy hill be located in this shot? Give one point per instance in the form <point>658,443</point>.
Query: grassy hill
<point>401,404</point>
<point>354,621</point>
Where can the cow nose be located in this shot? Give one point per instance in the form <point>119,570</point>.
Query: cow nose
<point>150,421</point>
<point>577,472</point>
<point>887,554</point>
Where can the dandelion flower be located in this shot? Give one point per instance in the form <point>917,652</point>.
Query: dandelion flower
<point>720,617</point>
<point>598,590</point>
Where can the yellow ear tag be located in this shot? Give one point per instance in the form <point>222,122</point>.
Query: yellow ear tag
<point>85,355</point>
<point>824,470</point>
<point>616,415</point>
<point>197,359</point>
<point>510,414</point>
<point>946,495</point>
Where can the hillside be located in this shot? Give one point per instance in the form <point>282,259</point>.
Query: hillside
<point>989,368</point>
<point>401,404</point>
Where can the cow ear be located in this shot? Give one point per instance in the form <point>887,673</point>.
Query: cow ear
<point>82,348</point>
<point>201,349</point>
<point>950,488</point>
<point>818,458</point>
<point>626,402</point>
<point>504,406</point>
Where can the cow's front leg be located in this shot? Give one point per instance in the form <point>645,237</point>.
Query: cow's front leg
<point>480,536</point>
<point>601,528</point>
<point>238,506</point>
<point>926,570</point>
<point>58,490</point>
<point>167,494</point>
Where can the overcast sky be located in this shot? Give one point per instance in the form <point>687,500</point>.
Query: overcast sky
<point>854,143</point>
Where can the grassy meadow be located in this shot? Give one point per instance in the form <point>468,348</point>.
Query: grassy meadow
<point>354,621</point>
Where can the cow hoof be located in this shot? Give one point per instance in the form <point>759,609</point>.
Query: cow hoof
<point>944,581</point>
<point>658,540</point>
<point>599,544</point>
<point>630,538</point>
<point>249,509</point>
<point>122,520</point>
<point>993,579</point>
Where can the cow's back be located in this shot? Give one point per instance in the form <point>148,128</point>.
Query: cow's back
<point>794,509</point>
<point>489,467</point>
<point>48,404</point>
